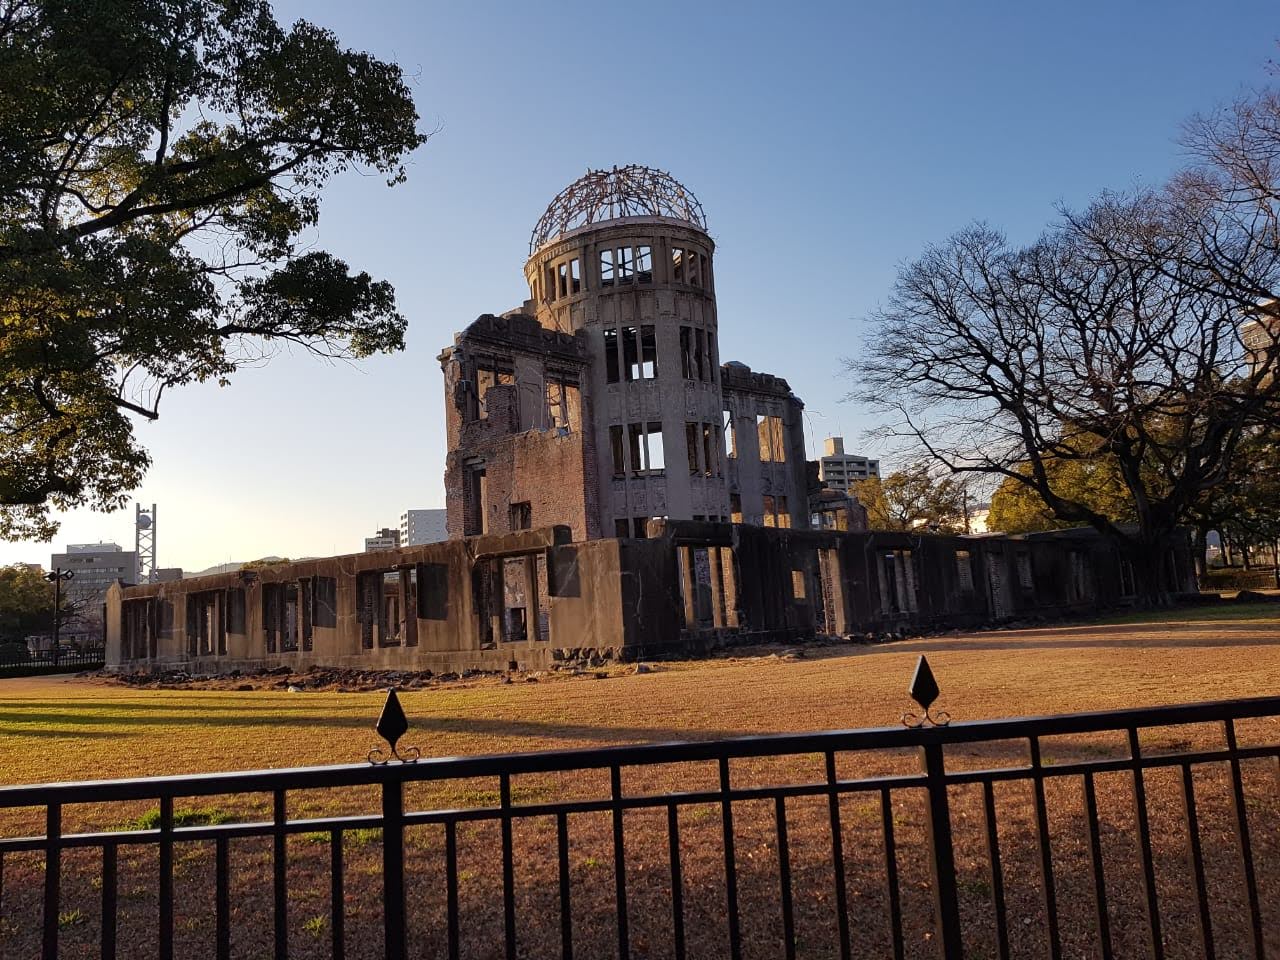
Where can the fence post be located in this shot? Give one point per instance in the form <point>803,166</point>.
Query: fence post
<point>941,855</point>
<point>393,866</point>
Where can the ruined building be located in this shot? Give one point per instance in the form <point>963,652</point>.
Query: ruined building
<point>612,486</point>
<point>601,403</point>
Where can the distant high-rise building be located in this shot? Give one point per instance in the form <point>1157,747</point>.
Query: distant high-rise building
<point>838,469</point>
<point>423,526</point>
<point>388,538</point>
<point>94,567</point>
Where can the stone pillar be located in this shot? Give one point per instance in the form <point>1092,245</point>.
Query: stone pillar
<point>730,588</point>
<point>717,588</point>
<point>530,572</point>
<point>497,600</point>
<point>689,587</point>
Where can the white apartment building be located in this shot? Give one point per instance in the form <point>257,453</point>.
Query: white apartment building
<point>388,538</point>
<point>94,567</point>
<point>423,526</point>
<point>838,469</point>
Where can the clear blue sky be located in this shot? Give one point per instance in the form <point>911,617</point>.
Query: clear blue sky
<point>828,144</point>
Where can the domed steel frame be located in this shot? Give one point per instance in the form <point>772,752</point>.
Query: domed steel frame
<point>630,191</point>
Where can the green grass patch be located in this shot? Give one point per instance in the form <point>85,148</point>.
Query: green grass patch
<point>187,817</point>
<point>1208,613</point>
<point>360,837</point>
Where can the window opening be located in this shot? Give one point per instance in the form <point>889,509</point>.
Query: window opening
<point>368,602</point>
<point>646,448</point>
<point>491,372</point>
<point>770,433</point>
<point>306,611</point>
<point>648,352</point>
<point>391,624</point>
<point>521,515</point>
<point>326,602</point>
<point>473,502</point>
<point>616,446</point>
<point>686,354</point>
<point>624,265</point>
<point>631,352</point>
<point>611,353</point>
<point>235,610</point>
<point>562,402</point>
<point>644,264</point>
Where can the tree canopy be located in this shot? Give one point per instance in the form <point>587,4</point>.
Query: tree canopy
<point>26,602</point>
<point>913,498</point>
<point>160,161</point>
<point>1016,507</point>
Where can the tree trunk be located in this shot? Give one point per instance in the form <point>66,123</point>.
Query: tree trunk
<point>1200,550</point>
<point>1146,555</point>
<point>1244,556</point>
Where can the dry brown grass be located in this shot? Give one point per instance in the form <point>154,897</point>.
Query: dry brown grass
<point>59,729</point>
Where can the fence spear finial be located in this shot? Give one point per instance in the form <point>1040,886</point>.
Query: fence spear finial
<point>391,726</point>
<point>924,691</point>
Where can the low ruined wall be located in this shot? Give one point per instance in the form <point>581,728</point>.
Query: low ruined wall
<point>529,599</point>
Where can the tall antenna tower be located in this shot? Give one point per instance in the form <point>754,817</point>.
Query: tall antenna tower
<point>144,542</point>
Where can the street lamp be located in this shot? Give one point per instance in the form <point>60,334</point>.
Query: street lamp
<point>57,578</point>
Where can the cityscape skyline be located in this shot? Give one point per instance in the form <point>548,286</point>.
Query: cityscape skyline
<point>883,176</point>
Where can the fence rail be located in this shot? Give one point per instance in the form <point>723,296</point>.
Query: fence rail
<point>940,776</point>
<point>44,662</point>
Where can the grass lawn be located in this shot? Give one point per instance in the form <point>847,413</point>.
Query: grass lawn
<point>1209,613</point>
<point>63,729</point>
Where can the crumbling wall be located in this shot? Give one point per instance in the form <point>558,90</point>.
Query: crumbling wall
<point>767,475</point>
<point>518,425</point>
<point>427,607</point>
<point>526,597</point>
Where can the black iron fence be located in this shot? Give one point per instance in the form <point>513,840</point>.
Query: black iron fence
<point>1201,861</point>
<point>44,661</point>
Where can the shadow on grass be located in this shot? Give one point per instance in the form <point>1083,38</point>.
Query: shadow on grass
<point>59,723</point>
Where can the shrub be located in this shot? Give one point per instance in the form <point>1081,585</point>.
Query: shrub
<point>1236,578</point>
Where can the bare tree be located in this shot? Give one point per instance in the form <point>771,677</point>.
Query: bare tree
<point>1113,337</point>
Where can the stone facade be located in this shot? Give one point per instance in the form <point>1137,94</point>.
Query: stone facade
<point>612,486</point>
<point>601,403</point>
<point>523,598</point>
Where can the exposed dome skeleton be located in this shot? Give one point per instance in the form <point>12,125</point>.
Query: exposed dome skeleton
<point>630,191</point>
